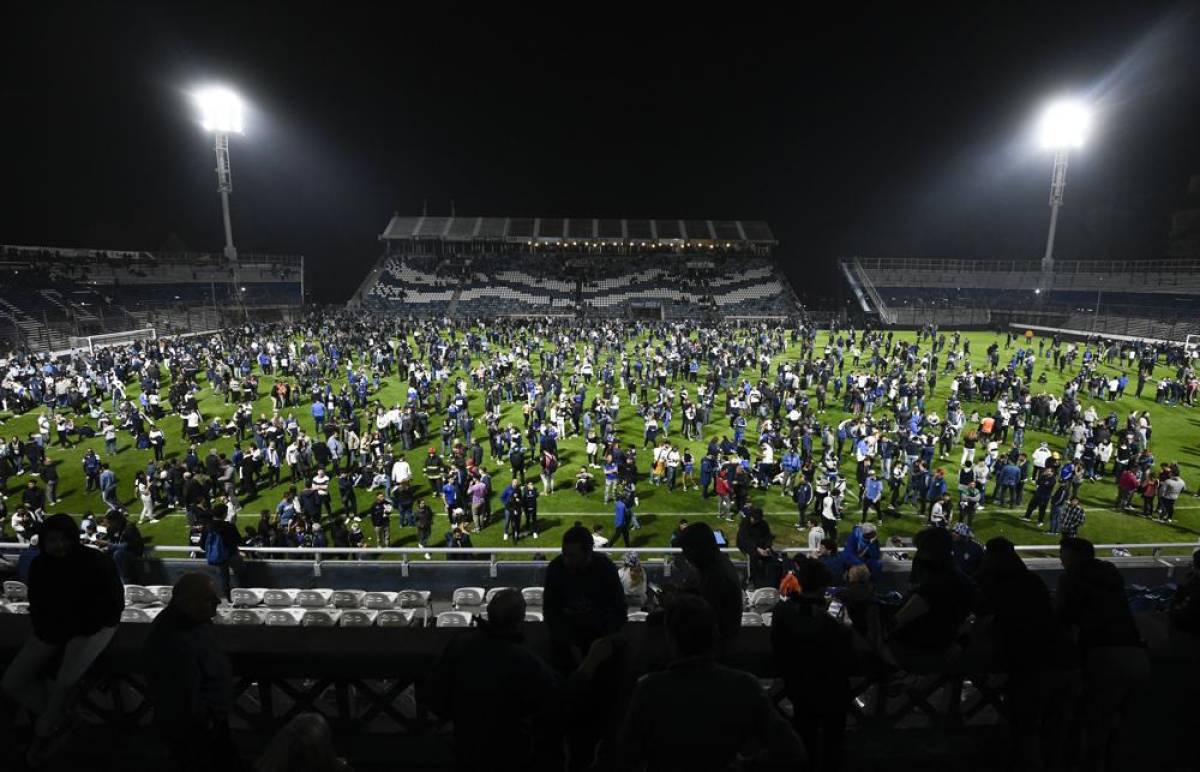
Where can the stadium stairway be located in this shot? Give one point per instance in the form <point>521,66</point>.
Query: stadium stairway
<point>452,308</point>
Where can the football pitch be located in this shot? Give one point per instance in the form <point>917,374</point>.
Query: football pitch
<point>1174,439</point>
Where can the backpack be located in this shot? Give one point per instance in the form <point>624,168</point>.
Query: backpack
<point>216,553</point>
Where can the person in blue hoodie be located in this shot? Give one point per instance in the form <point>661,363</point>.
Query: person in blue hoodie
<point>621,522</point>
<point>862,549</point>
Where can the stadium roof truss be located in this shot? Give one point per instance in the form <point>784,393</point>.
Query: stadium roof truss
<point>554,230</point>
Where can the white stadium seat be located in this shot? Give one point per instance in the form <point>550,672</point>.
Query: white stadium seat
<point>279,598</point>
<point>139,615</point>
<point>243,617</point>
<point>379,600</point>
<point>468,596</point>
<point>313,598</point>
<point>15,592</point>
<point>358,617</point>
<point>161,591</point>
<point>346,598</point>
<point>320,617</point>
<point>246,596</point>
<point>763,599</point>
<point>283,617</point>
<point>751,619</point>
<point>534,596</point>
<point>397,617</point>
<point>534,616</point>
<point>136,594</point>
<point>637,616</point>
<point>454,619</point>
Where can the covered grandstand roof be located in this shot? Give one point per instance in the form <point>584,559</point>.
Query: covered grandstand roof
<point>557,229</point>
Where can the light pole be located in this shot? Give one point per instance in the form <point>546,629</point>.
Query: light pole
<point>1064,126</point>
<point>221,113</point>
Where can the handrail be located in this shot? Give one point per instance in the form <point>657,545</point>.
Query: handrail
<point>318,551</point>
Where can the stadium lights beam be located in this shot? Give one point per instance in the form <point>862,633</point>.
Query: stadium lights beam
<point>221,113</point>
<point>1064,126</point>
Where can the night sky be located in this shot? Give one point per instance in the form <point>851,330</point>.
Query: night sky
<point>890,130</point>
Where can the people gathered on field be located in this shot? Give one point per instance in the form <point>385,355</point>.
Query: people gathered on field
<point>791,424</point>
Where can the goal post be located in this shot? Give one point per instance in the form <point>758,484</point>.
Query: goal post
<point>93,342</point>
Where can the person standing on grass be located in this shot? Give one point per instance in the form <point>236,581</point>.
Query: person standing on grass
<point>621,522</point>
<point>529,503</point>
<point>1072,519</point>
<point>1170,489</point>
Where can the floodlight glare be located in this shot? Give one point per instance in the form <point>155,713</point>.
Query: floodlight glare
<point>1064,125</point>
<point>220,110</point>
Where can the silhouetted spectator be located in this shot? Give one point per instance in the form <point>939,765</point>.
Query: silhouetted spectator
<point>189,678</point>
<point>305,744</point>
<point>714,579</point>
<point>813,655</point>
<point>934,610</point>
<point>699,715</point>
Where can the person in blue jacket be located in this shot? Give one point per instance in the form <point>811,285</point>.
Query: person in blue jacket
<point>862,549</point>
<point>621,522</point>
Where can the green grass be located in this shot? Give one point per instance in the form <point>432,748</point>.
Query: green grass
<point>1174,439</point>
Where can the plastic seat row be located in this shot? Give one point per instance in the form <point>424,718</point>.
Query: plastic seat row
<point>474,597</point>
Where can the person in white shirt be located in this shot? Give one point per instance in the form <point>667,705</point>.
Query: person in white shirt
<point>816,535</point>
<point>633,580</point>
<point>1040,455</point>
<point>401,471</point>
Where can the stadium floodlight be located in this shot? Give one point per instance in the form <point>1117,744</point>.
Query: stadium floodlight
<point>1063,127</point>
<point>221,113</point>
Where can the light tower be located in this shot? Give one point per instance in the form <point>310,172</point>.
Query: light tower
<point>221,113</point>
<point>1064,126</point>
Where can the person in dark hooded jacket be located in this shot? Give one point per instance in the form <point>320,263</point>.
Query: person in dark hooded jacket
<point>1091,602</point>
<point>715,579</point>
<point>75,603</point>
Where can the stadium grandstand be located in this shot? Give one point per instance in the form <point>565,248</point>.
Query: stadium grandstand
<point>1142,299</point>
<point>591,267</point>
<point>51,297</point>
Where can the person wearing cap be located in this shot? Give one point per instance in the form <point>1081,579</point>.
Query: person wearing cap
<point>75,604</point>
<point>434,469</point>
<point>862,548</point>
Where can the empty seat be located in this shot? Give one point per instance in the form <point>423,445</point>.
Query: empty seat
<point>397,617</point>
<point>767,616</point>
<point>533,596</point>
<point>279,598</point>
<point>763,599</point>
<point>493,592</point>
<point>161,591</point>
<point>246,596</point>
<point>320,617</point>
<point>468,596</point>
<point>637,616</point>
<point>379,600</point>
<point>358,617</point>
<point>136,594</point>
<point>534,616</point>
<point>313,598</point>
<point>416,599</point>
<point>243,616</point>
<point>134,615</point>
<point>283,617</point>
<point>346,598</point>
<point>454,618</point>
<point>751,619</point>
<point>15,592</point>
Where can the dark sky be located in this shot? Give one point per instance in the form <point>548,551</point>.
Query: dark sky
<point>885,130</point>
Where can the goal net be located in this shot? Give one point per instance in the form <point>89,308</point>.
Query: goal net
<point>93,342</point>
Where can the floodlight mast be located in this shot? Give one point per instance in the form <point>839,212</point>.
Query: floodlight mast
<point>225,187</point>
<point>222,115</point>
<point>1064,125</point>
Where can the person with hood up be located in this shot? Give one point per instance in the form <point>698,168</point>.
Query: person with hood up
<point>862,548</point>
<point>75,603</point>
<point>715,578</point>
